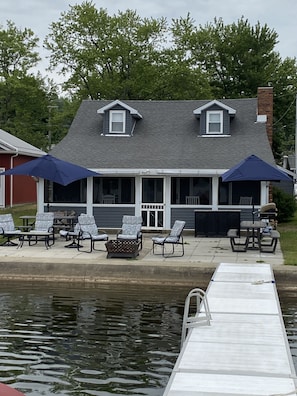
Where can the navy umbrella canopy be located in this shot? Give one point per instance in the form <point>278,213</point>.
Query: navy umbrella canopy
<point>254,168</point>
<point>53,169</point>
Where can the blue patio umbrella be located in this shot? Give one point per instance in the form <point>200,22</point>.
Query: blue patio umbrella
<point>254,168</point>
<point>53,169</point>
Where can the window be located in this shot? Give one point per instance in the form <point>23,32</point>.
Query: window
<point>75,192</point>
<point>117,122</point>
<point>214,122</point>
<point>230,193</point>
<point>182,187</point>
<point>113,190</point>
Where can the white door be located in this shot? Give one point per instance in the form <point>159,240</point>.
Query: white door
<point>152,202</point>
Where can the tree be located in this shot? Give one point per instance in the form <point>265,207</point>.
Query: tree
<point>104,56</point>
<point>17,51</point>
<point>23,97</point>
<point>238,58</point>
<point>284,82</point>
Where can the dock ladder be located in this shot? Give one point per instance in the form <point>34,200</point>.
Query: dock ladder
<point>201,316</point>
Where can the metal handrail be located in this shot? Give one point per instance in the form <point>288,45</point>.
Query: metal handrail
<point>202,314</point>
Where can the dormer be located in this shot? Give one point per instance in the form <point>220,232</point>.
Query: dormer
<point>215,118</point>
<point>119,119</point>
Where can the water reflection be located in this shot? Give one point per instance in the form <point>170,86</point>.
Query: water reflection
<point>108,340</point>
<point>97,340</point>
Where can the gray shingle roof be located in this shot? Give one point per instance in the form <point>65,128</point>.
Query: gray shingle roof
<point>165,138</point>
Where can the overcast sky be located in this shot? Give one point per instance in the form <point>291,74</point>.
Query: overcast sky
<point>279,15</point>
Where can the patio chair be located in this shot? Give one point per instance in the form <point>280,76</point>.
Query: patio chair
<point>131,230</point>
<point>108,199</point>
<point>192,200</point>
<point>174,238</point>
<point>8,230</point>
<point>71,235</point>
<point>245,200</point>
<point>89,230</point>
<point>44,223</point>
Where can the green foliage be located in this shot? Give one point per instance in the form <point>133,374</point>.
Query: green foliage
<point>238,58</point>
<point>17,51</point>
<point>285,203</point>
<point>20,210</point>
<point>105,56</point>
<point>124,56</point>
<point>284,82</point>
<point>288,240</point>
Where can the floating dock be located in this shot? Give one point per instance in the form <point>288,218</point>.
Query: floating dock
<point>244,350</point>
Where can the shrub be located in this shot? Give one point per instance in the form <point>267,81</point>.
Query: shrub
<point>285,203</point>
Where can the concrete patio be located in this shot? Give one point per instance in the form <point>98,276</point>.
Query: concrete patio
<point>202,256</point>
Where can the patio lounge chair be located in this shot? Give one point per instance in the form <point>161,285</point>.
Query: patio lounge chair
<point>42,230</point>
<point>174,238</point>
<point>89,230</point>
<point>8,230</point>
<point>131,230</point>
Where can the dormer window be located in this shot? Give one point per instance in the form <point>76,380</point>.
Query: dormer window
<point>117,121</point>
<point>214,122</point>
<point>215,118</point>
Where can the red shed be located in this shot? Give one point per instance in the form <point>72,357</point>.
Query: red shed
<point>15,190</point>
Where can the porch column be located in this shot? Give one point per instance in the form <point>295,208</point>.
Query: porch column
<point>167,202</point>
<point>137,196</point>
<point>215,193</point>
<point>90,196</point>
<point>264,193</point>
<point>40,195</point>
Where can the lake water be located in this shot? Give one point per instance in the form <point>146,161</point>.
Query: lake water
<point>96,340</point>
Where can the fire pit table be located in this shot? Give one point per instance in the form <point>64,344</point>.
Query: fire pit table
<point>122,249</point>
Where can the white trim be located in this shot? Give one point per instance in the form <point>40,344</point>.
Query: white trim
<point>214,135</point>
<point>212,103</point>
<point>160,172</point>
<point>210,122</point>
<point>120,103</point>
<point>111,121</point>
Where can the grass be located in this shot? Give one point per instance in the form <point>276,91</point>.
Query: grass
<point>289,241</point>
<point>287,230</point>
<point>20,210</point>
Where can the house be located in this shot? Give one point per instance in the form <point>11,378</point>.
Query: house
<point>163,159</point>
<point>17,189</point>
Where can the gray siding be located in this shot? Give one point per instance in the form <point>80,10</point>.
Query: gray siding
<point>111,217</point>
<point>184,214</point>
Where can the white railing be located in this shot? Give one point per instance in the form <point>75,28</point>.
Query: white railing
<point>154,215</point>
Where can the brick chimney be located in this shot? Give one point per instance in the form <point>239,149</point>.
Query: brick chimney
<point>265,108</point>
